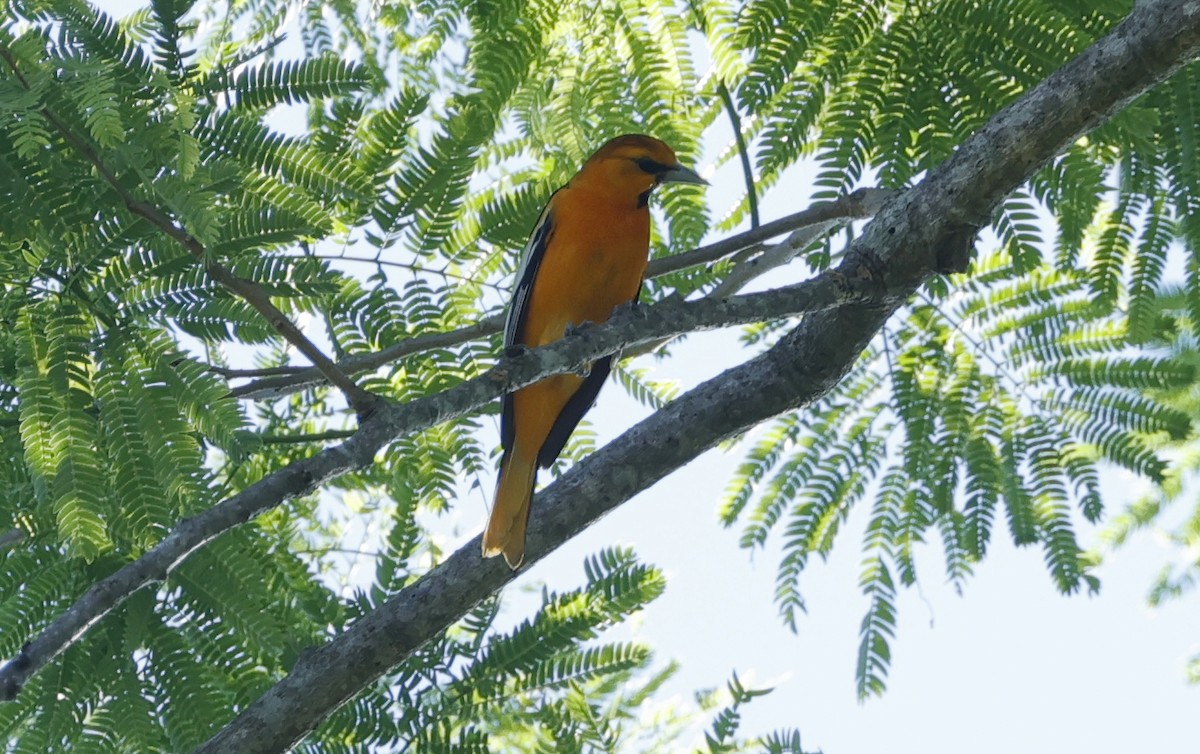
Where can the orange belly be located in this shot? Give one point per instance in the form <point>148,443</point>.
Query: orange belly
<point>581,279</point>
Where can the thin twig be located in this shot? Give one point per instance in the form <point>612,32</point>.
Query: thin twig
<point>858,204</point>
<point>770,258</point>
<point>412,268</point>
<point>278,382</point>
<point>230,373</point>
<point>362,401</point>
<point>333,434</point>
<point>735,120</point>
<point>626,328</point>
<point>759,259</point>
<point>339,551</point>
<point>286,384</point>
<point>869,201</point>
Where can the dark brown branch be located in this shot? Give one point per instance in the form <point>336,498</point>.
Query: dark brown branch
<point>735,120</point>
<point>915,236</point>
<point>280,381</point>
<point>362,401</point>
<point>627,328</point>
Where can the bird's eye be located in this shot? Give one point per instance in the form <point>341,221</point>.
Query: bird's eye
<point>647,165</point>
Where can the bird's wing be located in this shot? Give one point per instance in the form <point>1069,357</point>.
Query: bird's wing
<point>518,307</point>
<point>578,405</point>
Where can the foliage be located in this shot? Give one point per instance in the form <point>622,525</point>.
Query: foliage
<point>432,132</point>
<point>121,429</point>
<point>1007,389</point>
<point>1166,506</point>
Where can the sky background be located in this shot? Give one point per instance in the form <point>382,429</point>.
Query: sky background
<point>1011,665</point>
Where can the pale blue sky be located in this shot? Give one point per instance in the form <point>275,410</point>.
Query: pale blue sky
<point>1011,665</point>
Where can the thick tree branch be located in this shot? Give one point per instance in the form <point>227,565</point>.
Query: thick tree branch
<point>627,328</point>
<point>789,375</point>
<point>362,401</point>
<point>926,229</point>
<point>277,382</point>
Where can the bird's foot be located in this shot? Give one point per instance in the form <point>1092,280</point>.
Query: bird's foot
<point>629,306</point>
<point>575,329</point>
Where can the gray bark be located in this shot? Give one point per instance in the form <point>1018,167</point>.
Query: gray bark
<point>926,229</point>
<point>282,381</point>
<point>627,329</point>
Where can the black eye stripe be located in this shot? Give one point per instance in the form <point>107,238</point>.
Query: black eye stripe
<point>647,165</point>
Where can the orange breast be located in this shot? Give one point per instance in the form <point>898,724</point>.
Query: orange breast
<point>594,262</point>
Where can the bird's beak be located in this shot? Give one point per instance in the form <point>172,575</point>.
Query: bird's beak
<point>679,174</point>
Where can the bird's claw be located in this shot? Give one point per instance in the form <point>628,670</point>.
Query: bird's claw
<point>575,329</point>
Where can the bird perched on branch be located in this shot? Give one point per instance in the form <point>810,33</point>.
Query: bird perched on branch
<point>586,257</point>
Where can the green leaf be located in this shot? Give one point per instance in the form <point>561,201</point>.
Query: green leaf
<point>292,81</point>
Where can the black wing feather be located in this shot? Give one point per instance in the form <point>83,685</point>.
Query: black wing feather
<point>518,307</point>
<point>576,407</point>
<point>579,404</point>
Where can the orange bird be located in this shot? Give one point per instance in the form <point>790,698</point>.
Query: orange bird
<point>586,257</point>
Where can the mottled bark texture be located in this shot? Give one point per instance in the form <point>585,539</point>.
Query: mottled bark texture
<point>924,230</point>
<point>927,229</point>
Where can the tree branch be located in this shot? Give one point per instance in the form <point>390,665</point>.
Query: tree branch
<point>360,400</point>
<point>628,328</point>
<point>278,382</point>
<point>783,378</point>
<point>862,203</point>
<point>926,229</point>
<point>919,233</point>
<point>326,436</point>
<point>735,120</point>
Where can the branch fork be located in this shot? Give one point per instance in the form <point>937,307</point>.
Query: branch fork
<point>364,403</point>
<point>896,253</point>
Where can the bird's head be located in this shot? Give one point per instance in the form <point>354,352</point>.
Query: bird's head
<point>630,166</point>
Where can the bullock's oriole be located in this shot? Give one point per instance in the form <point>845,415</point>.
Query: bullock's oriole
<point>585,257</point>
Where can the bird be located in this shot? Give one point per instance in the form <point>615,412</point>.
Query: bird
<point>585,258</point>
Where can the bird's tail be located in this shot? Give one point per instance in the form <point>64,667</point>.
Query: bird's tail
<point>505,531</point>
